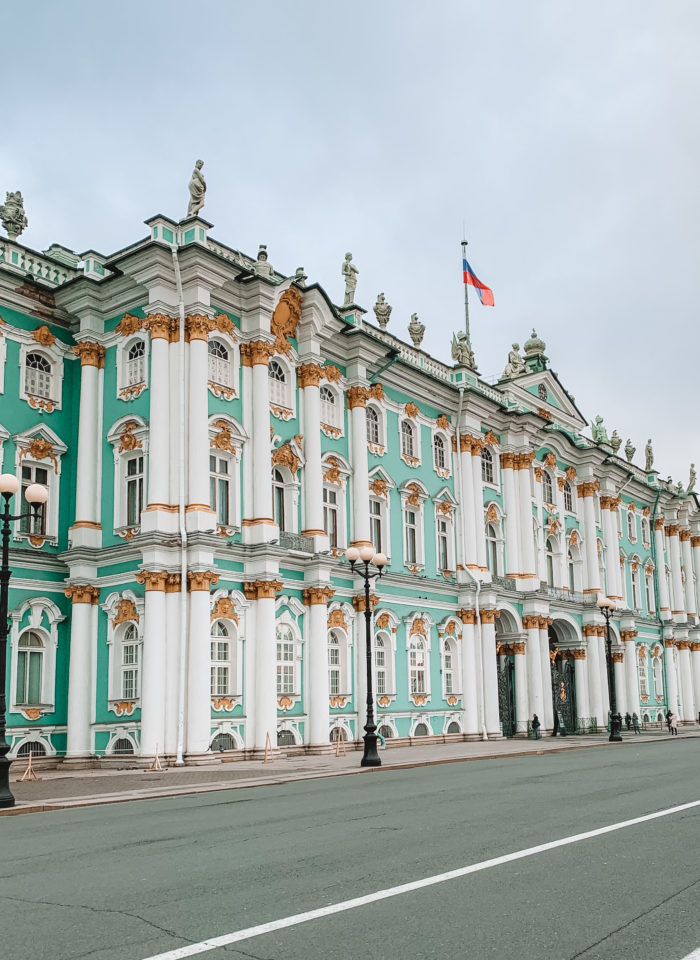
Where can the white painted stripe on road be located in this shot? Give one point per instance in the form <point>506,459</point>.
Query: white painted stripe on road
<point>250,932</point>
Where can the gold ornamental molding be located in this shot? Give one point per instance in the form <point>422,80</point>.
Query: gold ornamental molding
<point>467,615</point>
<point>285,319</point>
<point>317,596</point>
<point>332,474</point>
<point>43,336</point>
<point>91,354</point>
<point>617,656</point>
<point>531,622</point>
<point>256,353</point>
<point>161,326</point>
<point>489,616</point>
<point>577,653</point>
<point>153,579</point>
<point>627,635</point>
<point>684,535</point>
<point>507,461</point>
<point>309,375</point>
<point>126,612</point>
<point>128,325</point>
<point>380,488</point>
<point>127,440</point>
<point>336,618</point>
<point>659,523</point>
<point>39,448</point>
<point>588,489</point>
<point>224,324</point>
<point>284,456</point>
<point>358,602</point>
<point>442,422</point>
<point>172,583</point>
<point>358,396</point>
<point>261,589</point>
<point>82,593</point>
<point>224,609</point>
<point>198,326</point>
<point>672,529</point>
<point>411,410</point>
<point>224,438</point>
<point>695,541</point>
<point>491,439</point>
<point>201,580</point>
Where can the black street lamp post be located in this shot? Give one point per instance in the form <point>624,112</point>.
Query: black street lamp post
<point>36,495</point>
<point>606,607</point>
<point>367,558</point>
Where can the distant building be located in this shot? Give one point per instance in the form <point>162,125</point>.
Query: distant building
<point>298,427</point>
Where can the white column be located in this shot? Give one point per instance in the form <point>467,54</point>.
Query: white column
<point>315,599</point>
<point>172,662</point>
<point>510,498</point>
<point>686,676</point>
<point>546,668</point>
<point>522,708</point>
<point>265,676</point>
<point>587,492</point>
<point>604,684</point>
<point>630,662</point>
<point>534,668</point>
<point>360,647</point>
<point>470,697</point>
<point>360,478</point>
<point>563,573</point>
<point>256,355</point>
<point>490,668</point>
<point>201,514</point>
<point>153,664</point>
<point>159,463</point>
<point>80,670</point>
<point>595,693</point>
<point>620,685</point>
<point>583,706</point>
<point>695,547</point>
<point>87,509</point>
<point>478,485</point>
<point>471,517</point>
<point>695,662</point>
<point>309,376</point>
<point>527,541</point>
<point>198,715</point>
<point>608,514</point>
<point>672,531</point>
<point>176,385</point>
<point>663,599</point>
<point>671,679</point>
<point>690,605</point>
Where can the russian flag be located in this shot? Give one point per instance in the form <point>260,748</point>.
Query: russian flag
<point>485,295</point>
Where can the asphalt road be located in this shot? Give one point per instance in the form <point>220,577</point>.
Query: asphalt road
<point>131,881</point>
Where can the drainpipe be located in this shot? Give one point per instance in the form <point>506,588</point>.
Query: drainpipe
<point>477,583</point>
<point>652,535</point>
<point>182,652</point>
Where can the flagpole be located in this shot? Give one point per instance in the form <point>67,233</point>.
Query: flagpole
<point>466,297</point>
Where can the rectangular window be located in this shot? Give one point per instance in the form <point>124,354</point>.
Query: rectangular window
<point>411,538</point>
<point>220,489</point>
<point>443,546</point>
<point>448,673</point>
<point>334,669</point>
<point>130,660</point>
<point>375,524</point>
<point>30,523</point>
<point>29,677</point>
<point>285,668</point>
<point>330,515</point>
<point>134,490</point>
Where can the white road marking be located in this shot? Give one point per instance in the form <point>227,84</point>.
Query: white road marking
<point>249,932</point>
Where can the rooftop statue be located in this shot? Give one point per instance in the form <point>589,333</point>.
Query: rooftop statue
<point>300,276</point>
<point>261,265</point>
<point>462,352</point>
<point>679,488</point>
<point>615,441</point>
<point>629,450</point>
<point>692,478</point>
<point>382,311</point>
<point>515,366</point>
<point>197,190</point>
<point>416,329</point>
<point>350,272</point>
<point>12,215</point>
<point>600,434</point>
<point>648,456</point>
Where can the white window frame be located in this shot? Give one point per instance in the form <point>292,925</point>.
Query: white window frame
<point>283,403</point>
<point>51,463</point>
<point>53,354</point>
<point>230,478</point>
<point>449,520</point>
<point>333,506</point>
<point>410,459</point>
<point>551,551</point>
<point>125,390</point>
<point>343,667</point>
<point>636,584</point>
<point>377,447</point>
<point>567,491</point>
<point>494,546</point>
<point>450,647</point>
<point>337,467</point>
<point>642,674</point>
<point>574,559</point>
<point>224,387</point>
<point>43,618</point>
<point>285,623</point>
<point>657,666</point>
<point>649,597</point>
<point>549,481</point>
<point>489,465</point>
<point>444,471</point>
<point>332,411</point>
<point>115,639</point>
<point>419,511</point>
<point>233,662</point>
<point>631,525</point>
<point>120,458</point>
<point>646,531</point>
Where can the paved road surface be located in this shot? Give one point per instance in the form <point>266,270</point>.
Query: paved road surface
<point>132,881</point>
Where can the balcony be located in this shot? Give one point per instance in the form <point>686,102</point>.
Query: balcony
<point>294,541</point>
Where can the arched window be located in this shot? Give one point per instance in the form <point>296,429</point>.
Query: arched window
<point>645,531</point>
<point>220,660</point>
<point>568,498</point>
<point>631,525</point>
<point>636,587</point>
<point>334,665</point>
<point>421,730</point>
<point>278,383</point>
<point>492,549</point>
<point>123,747</point>
<point>330,514</point>
<point>37,376</point>
<point>129,666</point>
<point>278,499</point>
<point>33,747</point>
<point>221,488</point>
<point>658,675</point>
<point>407,439</point>
<point>411,534</point>
<point>571,569</point>
<point>642,673</point>
<point>550,551</point>
<point>222,742</point>
<point>136,363</point>
<point>386,732</point>
<point>547,487</point>
<point>417,664</point>
<point>219,364</point>
<point>487,474</point>
<point>134,490</point>
<point>380,662</point>
<point>373,432</point>
<point>449,667</point>
<point>285,660</point>
<point>649,591</point>
<point>30,668</point>
<point>439,452</point>
<point>328,406</point>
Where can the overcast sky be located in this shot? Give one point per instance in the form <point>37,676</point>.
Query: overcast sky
<point>564,135</point>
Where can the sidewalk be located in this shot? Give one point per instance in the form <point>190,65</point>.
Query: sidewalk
<point>60,790</point>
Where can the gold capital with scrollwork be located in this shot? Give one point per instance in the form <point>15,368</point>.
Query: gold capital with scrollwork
<point>261,589</point>
<point>256,353</point>
<point>309,375</point>
<point>467,615</point>
<point>82,593</point>
<point>198,326</point>
<point>489,616</point>
<point>153,579</point>
<point>201,579</point>
<point>358,602</point>
<point>160,326</point>
<point>91,354</point>
<point>315,596</point>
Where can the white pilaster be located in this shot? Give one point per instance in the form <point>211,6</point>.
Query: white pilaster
<point>87,500</point>
<point>160,466</point>
<point>265,677</point>
<point>309,375</point>
<point>546,669</point>
<point>583,705</point>
<point>478,489</point>
<point>172,663</point>
<point>687,556</point>
<point>522,708</point>
<point>260,526</point>
<point>315,599</point>
<point>678,609</point>
<point>663,599</point>
<point>153,666</point>
<point>695,664</point>
<point>81,669</point>
<point>604,683</point>
<point>595,693</point>
<point>685,670</point>
<point>587,492</point>
<point>471,517</point>
<point>510,497</point>
<point>620,685</point>
<point>534,668</point>
<point>671,676</point>
<point>360,476</point>
<point>608,513</point>
<point>630,663</point>
<point>200,515</point>
<point>490,668</point>
<point>198,715</point>
<point>528,563</point>
<point>470,701</point>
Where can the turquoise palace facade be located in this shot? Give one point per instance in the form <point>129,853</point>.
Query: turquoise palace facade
<point>214,434</point>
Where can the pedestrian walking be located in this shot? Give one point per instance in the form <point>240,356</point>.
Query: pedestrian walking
<point>628,720</point>
<point>635,723</point>
<point>536,726</point>
<point>674,724</point>
<point>668,720</point>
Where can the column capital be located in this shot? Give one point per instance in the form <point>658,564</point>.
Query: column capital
<point>358,602</point>
<point>588,489</point>
<point>617,656</point>
<point>83,593</point>
<point>578,653</point>
<point>628,635</point>
<point>309,374</point>
<point>669,642</point>
<point>545,622</point>
<point>659,523</point>
<point>91,354</point>
<point>518,648</point>
<point>201,579</point>
<point>153,579</point>
<point>173,583</point>
<point>507,461</point>
<point>684,535</point>
<point>161,326</point>
<point>261,589</point>
<point>523,461</point>
<point>489,616</point>
<point>466,615</point>
<point>531,622</point>
<point>256,353</point>
<point>695,541</point>
<point>314,596</point>
<point>672,529</point>
<point>198,326</point>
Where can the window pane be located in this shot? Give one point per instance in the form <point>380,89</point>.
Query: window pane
<point>21,676</point>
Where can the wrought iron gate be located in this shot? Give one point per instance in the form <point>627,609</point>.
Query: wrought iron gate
<point>506,694</point>
<point>564,697</point>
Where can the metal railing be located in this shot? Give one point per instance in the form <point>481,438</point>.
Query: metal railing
<point>295,541</point>
<point>506,582</point>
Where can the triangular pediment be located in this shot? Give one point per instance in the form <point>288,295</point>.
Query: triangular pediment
<point>542,393</point>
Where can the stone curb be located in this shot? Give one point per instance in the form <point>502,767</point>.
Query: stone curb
<point>159,793</point>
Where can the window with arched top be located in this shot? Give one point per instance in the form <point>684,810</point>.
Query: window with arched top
<point>123,747</point>
<point>571,570</point>
<point>136,363</point>
<point>547,487</point>
<point>645,531</point>
<point>129,663</point>
<point>643,675</point>
<point>487,471</point>
<point>568,497</point>
<point>278,499</point>
<point>550,553</point>
<point>333,663</point>
<point>30,669</point>
<point>37,375</point>
<point>277,379</point>
<point>408,440</point>
<point>649,591</point>
<point>221,651</point>
<point>658,675</point>
<point>439,456</point>
<point>384,664</point>
<point>636,586</point>
<point>631,526</point>
<point>286,666</point>
<point>331,512</point>
<point>328,406</point>
<point>492,549</point>
<point>417,665</point>
<point>449,667</point>
<point>373,426</point>
<point>220,366</point>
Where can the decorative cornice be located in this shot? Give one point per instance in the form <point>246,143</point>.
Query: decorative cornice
<point>315,596</point>
<point>82,593</point>
<point>91,354</point>
<point>261,589</point>
<point>201,579</point>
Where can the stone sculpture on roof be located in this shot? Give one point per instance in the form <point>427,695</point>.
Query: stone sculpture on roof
<point>350,272</point>
<point>416,329</point>
<point>615,441</point>
<point>462,352</point>
<point>197,189</point>
<point>648,456</point>
<point>692,478</point>
<point>14,220</point>
<point>382,311</point>
<point>600,434</point>
<point>515,366</point>
<point>629,450</point>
